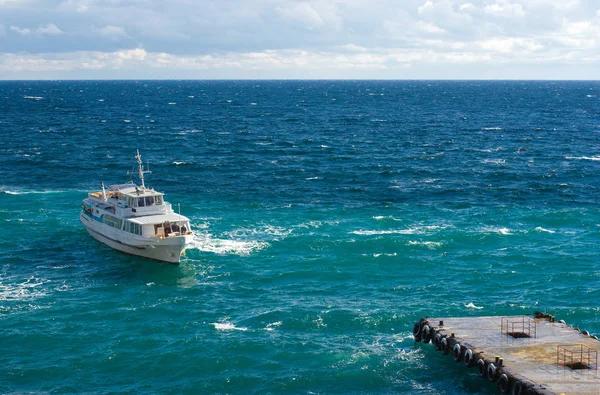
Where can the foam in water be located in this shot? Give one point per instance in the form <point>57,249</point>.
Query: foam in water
<point>470,305</point>
<point>207,243</point>
<point>227,326</point>
<point>540,229</point>
<point>595,158</point>
<point>500,231</point>
<point>27,290</point>
<point>429,244</point>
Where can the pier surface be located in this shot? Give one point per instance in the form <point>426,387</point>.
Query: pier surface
<point>523,354</point>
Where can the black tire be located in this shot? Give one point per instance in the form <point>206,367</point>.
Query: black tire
<point>504,384</point>
<point>457,353</point>
<point>417,331</point>
<point>426,334</point>
<point>482,368</point>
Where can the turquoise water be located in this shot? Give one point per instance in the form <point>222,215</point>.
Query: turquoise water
<point>330,216</point>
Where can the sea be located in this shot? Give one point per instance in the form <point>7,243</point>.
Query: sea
<point>329,217</point>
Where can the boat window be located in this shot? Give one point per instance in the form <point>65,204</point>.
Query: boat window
<point>159,200</point>
<point>149,200</point>
<point>141,202</point>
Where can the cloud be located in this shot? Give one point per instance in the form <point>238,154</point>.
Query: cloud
<point>296,37</point>
<point>318,15</point>
<point>23,31</point>
<point>49,29</point>
<point>505,9</point>
<point>112,32</point>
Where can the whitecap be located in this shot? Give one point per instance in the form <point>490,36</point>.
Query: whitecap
<point>501,231</point>
<point>191,97</point>
<point>253,104</point>
<point>127,120</point>
<point>494,161</point>
<point>596,158</point>
<point>227,326</point>
<point>381,217</point>
<point>429,244</point>
<point>386,254</point>
<point>540,229</point>
<point>492,128</point>
<point>25,291</point>
<point>180,163</point>
<point>172,103</point>
<point>33,97</point>
<point>206,243</point>
<point>470,305</point>
<point>273,325</point>
<point>383,232</point>
<point>313,178</point>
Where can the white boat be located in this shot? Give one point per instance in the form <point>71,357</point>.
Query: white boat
<point>136,220</point>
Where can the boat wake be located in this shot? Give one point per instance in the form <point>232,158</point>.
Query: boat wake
<point>206,243</point>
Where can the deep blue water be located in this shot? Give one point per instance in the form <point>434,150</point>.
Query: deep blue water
<point>330,216</point>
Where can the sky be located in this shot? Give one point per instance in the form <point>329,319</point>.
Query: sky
<point>300,39</point>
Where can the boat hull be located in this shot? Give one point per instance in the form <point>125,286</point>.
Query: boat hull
<point>165,249</point>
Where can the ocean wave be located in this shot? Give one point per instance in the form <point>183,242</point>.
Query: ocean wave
<point>500,231</point>
<point>25,192</point>
<point>429,244</point>
<point>595,158</point>
<point>273,325</point>
<point>470,305</point>
<point>377,255</point>
<point>540,229</point>
<point>261,232</point>
<point>227,326</point>
<point>27,290</point>
<point>206,243</point>
<point>381,217</point>
<point>410,231</point>
<point>492,128</point>
<point>494,161</point>
<point>383,232</point>
<point>33,97</point>
<point>180,163</point>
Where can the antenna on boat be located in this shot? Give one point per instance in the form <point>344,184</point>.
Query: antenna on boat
<point>141,170</point>
<point>103,191</point>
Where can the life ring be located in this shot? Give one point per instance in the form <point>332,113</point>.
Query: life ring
<point>481,368</point>
<point>457,353</point>
<point>491,372</point>
<point>417,331</point>
<point>437,342</point>
<point>444,346</point>
<point>517,388</point>
<point>425,334</point>
<point>468,358</point>
<point>504,384</point>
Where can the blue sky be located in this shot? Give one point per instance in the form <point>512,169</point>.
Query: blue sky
<point>233,39</point>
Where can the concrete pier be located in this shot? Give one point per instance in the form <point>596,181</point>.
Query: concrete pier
<point>522,354</point>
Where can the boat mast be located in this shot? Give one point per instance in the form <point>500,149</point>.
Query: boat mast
<point>141,170</point>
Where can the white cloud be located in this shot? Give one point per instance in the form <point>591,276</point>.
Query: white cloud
<point>50,29</point>
<point>505,9</point>
<point>430,28</point>
<point>316,15</point>
<point>112,32</point>
<point>510,45</point>
<point>281,35</point>
<point>23,31</point>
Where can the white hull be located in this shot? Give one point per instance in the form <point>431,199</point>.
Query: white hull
<point>167,249</point>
